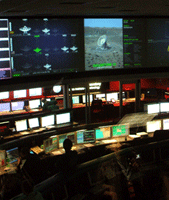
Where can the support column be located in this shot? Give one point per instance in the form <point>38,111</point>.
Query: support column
<point>121,99</point>
<point>137,95</point>
<point>66,96</point>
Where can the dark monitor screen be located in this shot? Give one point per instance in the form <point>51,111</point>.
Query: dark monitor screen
<point>46,45</point>
<point>18,105</point>
<point>5,107</point>
<point>85,136</point>
<point>120,130</point>
<point>12,155</point>
<point>50,144</point>
<point>103,132</point>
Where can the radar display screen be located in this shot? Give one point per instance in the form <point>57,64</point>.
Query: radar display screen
<point>46,45</point>
<point>120,130</point>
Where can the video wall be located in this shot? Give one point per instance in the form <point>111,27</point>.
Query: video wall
<point>39,46</point>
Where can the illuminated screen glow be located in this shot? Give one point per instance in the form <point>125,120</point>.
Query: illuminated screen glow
<point>165,124</point>
<point>105,36</point>
<point>50,144</point>
<point>84,98</point>
<point>5,107</point>
<point>47,120</point>
<point>164,107</point>
<point>21,125</point>
<point>63,118</point>
<point>34,103</point>
<point>112,96</point>
<point>75,99</point>
<point>4,95</point>
<point>12,155</point>
<point>33,122</point>
<point>153,126</point>
<point>35,92</point>
<point>103,132</point>
<point>61,140</point>
<point>100,96</point>
<point>154,108</point>
<point>86,136</point>
<point>19,94</point>
<point>17,105</point>
<point>120,130</point>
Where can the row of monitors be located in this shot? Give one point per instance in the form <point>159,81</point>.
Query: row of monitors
<point>86,136</point>
<point>19,105</point>
<point>22,93</point>
<point>157,107</point>
<point>44,121</point>
<point>161,124</point>
<point>108,96</point>
<point>38,46</point>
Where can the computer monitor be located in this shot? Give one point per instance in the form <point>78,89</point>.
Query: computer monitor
<point>50,144</point>
<point>19,94</point>
<point>12,155</point>
<point>165,124</point>
<point>100,96</point>
<point>75,99</point>
<point>85,136</point>
<point>153,108</point>
<point>120,130</point>
<point>35,92</point>
<point>33,122</point>
<point>164,107</point>
<point>153,126</point>
<point>103,132</point>
<point>5,107</point>
<point>18,105</point>
<point>71,136</point>
<point>4,95</point>
<point>61,140</point>
<point>35,103</point>
<point>63,118</point>
<point>21,125</point>
<point>84,98</point>
<point>112,96</point>
<point>47,120</point>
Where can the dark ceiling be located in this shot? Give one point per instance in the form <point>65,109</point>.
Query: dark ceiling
<point>84,8</point>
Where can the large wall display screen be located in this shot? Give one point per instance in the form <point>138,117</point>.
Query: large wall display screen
<point>45,45</point>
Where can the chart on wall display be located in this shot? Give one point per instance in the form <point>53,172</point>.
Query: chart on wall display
<point>43,46</point>
<point>5,67</point>
<point>103,40</point>
<point>134,40</point>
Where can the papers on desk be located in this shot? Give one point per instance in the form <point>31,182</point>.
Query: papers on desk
<point>134,136</point>
<point>88,145</point>
<point>108,141</point>
<point>142,134</point>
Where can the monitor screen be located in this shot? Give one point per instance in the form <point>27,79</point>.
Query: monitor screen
<point>100,96</point>
<point>153,126</point>
<point>153,108</point>
<point>33,122</point>
<point>35,103</point>
<point>165,124</point>
<point>71,136</point>
<point>85,136</point>
<point>35,92</point>
<point>21,125</point>
<point>112,96</point>
<point>4,95</point>
<point>19,105</point>
<point>63,118</point>
<point>120,130</point>
<point>103,132</point>
<point>102,38</point>
<point>19,94</point>
<point>75,99</point>
<point>12,155</point>
<point>5,107</point>
<point>41,46</point>
<point>47,120</point>
<point>164,107</point>
<point>84,98</point>
<point>61,140</point>
<point>50,144</point>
